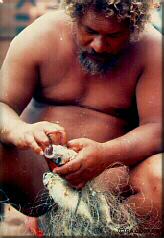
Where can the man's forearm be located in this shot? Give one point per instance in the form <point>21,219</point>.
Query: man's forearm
<point>136,145</point>
<point>9,120</point>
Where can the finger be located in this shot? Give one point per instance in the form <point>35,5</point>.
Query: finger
<point>74,180</point>
<point>57,137</point>
<point>41,138</point>
<point>63,134</point>
<point>30,142</point>
<point>63,137</point>
<point>54,137</point>
<point>75,176</point>
<point>79,186</point>
<point>52,127</point>
<point>68,168</point>
<point>75,144</point>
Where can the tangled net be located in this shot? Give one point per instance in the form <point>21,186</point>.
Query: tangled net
<point>137,11</point>
<point>94,211</point>
<point>90,212</point>
<point>99,209</point>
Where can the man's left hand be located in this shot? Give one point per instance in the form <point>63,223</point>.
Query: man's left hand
<point>89,163</point>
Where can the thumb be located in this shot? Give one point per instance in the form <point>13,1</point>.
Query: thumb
<point>77,144</point>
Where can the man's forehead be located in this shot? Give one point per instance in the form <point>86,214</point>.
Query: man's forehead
<point>99,21</point>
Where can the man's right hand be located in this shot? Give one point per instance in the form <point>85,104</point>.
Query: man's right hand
<point>36,136</point>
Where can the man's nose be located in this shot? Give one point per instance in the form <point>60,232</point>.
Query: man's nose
<point>99,45</point>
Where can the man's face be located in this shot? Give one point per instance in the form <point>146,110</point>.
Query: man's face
<point>100,40</point>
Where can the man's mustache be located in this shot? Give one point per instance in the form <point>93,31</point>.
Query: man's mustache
<point>102,56</point>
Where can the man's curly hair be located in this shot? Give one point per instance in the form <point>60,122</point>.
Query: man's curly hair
<point>137,11</point>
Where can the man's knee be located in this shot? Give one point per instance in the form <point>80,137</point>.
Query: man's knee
<point>147,177</point>
<point>113,180</point>
<point>154,170</point>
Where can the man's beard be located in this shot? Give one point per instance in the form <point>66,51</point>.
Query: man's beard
<point>97,63</point>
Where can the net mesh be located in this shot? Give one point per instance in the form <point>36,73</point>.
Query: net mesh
<point>93,211</point>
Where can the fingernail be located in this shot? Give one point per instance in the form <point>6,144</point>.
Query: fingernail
<point>41,152</point>
<point>54,171</point>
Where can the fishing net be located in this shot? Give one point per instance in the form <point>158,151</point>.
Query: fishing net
<point>93,211</point>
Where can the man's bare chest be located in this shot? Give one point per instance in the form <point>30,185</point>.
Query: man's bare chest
<point>71,86</point>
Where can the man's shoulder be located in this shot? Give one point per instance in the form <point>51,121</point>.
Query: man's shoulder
<point>43,33</point>
<point>45,28</point>
<point>151,40</point>
<point>52,21</point>
<point>149,46</point>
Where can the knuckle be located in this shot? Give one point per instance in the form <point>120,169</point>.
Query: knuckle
<point>20,144</point>
<point>34,146</point>
<point>46,123</point>
<point>45,140</point>
<point>37,133</point>
<point>28,138</point>
<point>40,124</point>
<point>49,124</point>
<point>40,135</point>
<point>28,143</point>
<point>28,133</point>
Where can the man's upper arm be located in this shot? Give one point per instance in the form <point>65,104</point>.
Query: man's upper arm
<point>149,88</point>
<point>18,74</point>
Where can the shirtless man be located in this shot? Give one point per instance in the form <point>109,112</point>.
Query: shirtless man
<point>92,88</point>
